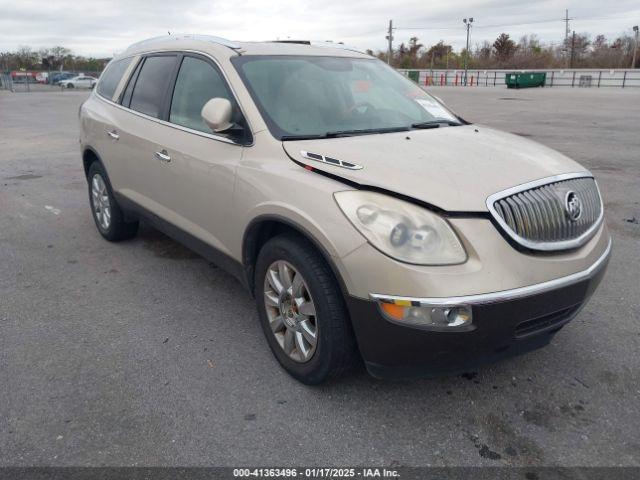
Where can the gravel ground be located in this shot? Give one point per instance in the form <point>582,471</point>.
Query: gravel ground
<point>142,353</point>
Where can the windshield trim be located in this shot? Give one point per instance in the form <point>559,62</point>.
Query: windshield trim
<point>282,135</point>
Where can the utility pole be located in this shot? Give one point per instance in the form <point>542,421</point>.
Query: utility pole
<point>573,46</point>
<point>567,30</point>
<point>466,53</point>
<point>566,26</point>
<point>390,38</point>
<point>635,48</point>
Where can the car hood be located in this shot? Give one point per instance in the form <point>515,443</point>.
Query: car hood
<point>453,168</point>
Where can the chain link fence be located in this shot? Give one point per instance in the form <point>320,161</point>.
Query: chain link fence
<point>33,81</point>
<point>577,78</point>
<point>5,82</point>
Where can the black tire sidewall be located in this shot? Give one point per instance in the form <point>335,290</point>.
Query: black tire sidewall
<point>114,232</point>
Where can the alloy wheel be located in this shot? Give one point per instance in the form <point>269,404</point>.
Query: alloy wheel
<point>291,311</point>
<point>100,201</point>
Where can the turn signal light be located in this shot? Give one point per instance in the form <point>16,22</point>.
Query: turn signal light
<point>427,315</point>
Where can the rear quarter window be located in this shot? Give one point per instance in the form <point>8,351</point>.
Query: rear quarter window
<point>111,77</point>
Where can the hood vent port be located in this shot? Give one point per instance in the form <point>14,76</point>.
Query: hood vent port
<point>330,160</point>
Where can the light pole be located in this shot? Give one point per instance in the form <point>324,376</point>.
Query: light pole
<point>635,48</point>
<point>466,53</point>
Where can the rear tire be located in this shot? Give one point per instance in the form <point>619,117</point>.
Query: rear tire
<point>107,214</point>
<point>334,351</point>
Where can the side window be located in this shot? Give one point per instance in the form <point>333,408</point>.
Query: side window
<point>126,96</point>
<point>197,83</point>
<point>150,90</point>
<point>111,77</point>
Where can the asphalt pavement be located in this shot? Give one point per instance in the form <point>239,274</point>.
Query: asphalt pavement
<point>142,353</point>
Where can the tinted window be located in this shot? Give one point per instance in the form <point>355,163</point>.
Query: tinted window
<point>198,82</point>
<point>151,86</point>
<point>111,77</point>
<point>126,97</point>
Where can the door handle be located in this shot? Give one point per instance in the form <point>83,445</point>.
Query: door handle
<point>113,134</point>
<point>163,156</point>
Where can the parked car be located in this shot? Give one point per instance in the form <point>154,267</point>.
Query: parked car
<point>366,218</point>
<point>80,81</point>
<point>55,78</point>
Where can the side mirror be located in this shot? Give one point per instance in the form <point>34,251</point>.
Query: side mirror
<point>217,113</point>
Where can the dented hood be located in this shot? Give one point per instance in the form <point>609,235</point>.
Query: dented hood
<point>453,168</point>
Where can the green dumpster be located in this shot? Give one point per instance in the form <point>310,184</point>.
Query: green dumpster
<point>414,75</point>
<point>525,79</point>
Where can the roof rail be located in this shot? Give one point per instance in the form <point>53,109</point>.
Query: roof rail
<point>331,44</point>
<point>299,42</point>
<point>325,43</point>
<point>188,36</point>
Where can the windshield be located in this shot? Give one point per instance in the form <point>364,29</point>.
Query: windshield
<point>311,96</point>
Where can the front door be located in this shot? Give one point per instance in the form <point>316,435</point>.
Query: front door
<point>198,172</point>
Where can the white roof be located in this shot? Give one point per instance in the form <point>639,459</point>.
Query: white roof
<point>221,46</point>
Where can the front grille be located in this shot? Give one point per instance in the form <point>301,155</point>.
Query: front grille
<point>546,322</point>
<point>549,215</point>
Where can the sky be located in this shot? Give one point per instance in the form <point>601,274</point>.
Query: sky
<point>101,28</point>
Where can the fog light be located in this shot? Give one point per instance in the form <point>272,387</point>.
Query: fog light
<point>427,315</point>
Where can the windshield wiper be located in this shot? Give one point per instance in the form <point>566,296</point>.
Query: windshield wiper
<point>435,124</point>
<point>344,133</point>
<point>284,138</point>
<point>365,131</point>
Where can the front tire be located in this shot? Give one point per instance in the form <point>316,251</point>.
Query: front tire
<point>302,311</point>
<point>107,214</point>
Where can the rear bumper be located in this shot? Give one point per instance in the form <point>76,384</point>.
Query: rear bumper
<point>506,323</point>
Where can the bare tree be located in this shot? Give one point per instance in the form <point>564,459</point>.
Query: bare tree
<point>438,55</point>
<point>26,57</point>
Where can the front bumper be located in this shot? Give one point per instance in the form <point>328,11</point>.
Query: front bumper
<point>506,323</point>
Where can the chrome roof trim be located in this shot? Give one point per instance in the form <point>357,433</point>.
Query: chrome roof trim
<point>544,246</point>
<point>505,295</point>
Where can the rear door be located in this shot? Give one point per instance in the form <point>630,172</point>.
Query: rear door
<point>141,131</point>
<point>99,120</point>
<point>200,175</point>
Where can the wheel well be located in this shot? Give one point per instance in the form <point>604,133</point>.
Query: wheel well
<point>88,157</point>
<point>260,232</point>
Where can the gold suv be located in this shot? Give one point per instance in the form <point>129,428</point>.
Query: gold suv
<point>367,219</point>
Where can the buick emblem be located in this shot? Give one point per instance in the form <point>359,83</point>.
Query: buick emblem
<point>573,206</point>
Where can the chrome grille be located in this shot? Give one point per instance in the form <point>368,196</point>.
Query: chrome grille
<point>539,215</point>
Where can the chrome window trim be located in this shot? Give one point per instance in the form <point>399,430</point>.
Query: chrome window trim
<point>212,136</point>
<point>544,246</point>
<point>505,295</point>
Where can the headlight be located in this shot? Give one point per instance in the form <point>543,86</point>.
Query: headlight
<point>402,230</point>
